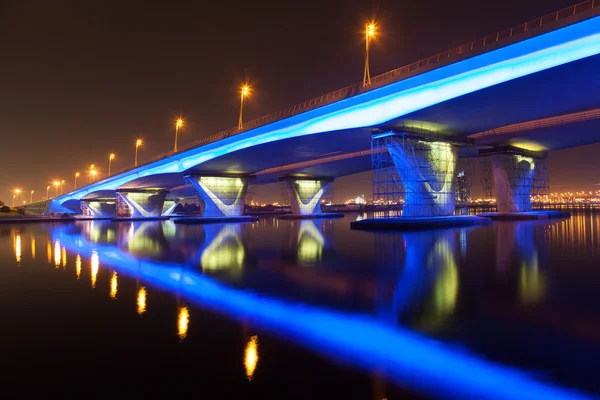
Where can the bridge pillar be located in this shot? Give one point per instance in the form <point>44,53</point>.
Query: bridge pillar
<point>305,194</point>
<point>169,206</point>
<point>99,208</point>
<point>143,203</point>
<point>223,196</point>
<point>513,178</point>
<point>426,170</point>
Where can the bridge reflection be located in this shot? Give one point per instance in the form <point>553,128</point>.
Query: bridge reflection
<point>428,276</point>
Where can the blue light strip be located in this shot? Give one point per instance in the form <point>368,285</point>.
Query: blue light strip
<point>408,359</point>
<point>568,44</point>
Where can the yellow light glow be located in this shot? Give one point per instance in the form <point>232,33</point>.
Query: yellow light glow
<point>113,285</point>
<point>18,248</point>
<point>78,266</point>
<point>141,301</point>
<point>93,172</point>
<point>57,254</point>
<point>17,191</point>
<point>245,90</point>
<point>94,268</point>
<point>138,142</point>
<point>111,156</point>
<point>179,123</point>
<point>251,357</point>
<point>56,183</point>
<point>183,321</point>
<point>64,257</point>
<point>76,174</point>
<point>49,249</point>
<point>371,29</point>
<point>33,247</point>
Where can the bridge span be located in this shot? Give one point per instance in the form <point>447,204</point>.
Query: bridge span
<point>530,89</point>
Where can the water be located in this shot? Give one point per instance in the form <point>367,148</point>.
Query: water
<point>306,309</point>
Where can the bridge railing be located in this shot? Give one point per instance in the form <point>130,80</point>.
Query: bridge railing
<point>391,76</point>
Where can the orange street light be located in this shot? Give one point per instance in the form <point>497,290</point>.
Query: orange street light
<point>75,184</point>
<point>111,157</point>
<point>370,31</point>
<point>138,143</point>
<point>61,186</point>
<point>47,190</point>
<point>31,197</point>
<point>178,124</point>
<point>56,183</point>
<point>244,92</point>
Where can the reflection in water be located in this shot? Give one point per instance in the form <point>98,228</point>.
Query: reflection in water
<point>78,266</point>
<point>113,285</point>
<point>225,249</point>
<point>49,249</point>
<point>18,247</point>
<point>251,356</point>
<point>64,257</point>
<point>446,283</point>
<point>141,300</point>
<point>359,339</point>
<point>95,265</point>
<point>310,241</point>
<point>183,320</point>
<point>57,253</point>
<point>33,247</point>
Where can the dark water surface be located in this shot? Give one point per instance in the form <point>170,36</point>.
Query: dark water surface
<point>305,309</point>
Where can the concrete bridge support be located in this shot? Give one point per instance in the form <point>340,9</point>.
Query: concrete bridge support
<point>223,196</point>
<point>99,208</point>
<point>140,203</point>
<point>305,194</point>
<point>513,177</point>
<point>426,170</point>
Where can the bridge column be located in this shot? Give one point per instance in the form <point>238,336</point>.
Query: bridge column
<point>99,208</point>
<point>426,170</point>
<point>513,178</point>
<point>144,203</point>
<point>305,194</point>
<point>223,196</point>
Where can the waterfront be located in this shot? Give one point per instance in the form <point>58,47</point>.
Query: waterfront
<point>508,310</point>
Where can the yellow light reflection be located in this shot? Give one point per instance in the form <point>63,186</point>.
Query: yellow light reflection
<point>251,357</point>
<point>78,266</point>
<point>310,242</point>
<point>95,265</point>
<point>64,257</point>
<point>141,301</point>
<point>33,247</point>
<point>18,248</point>
<point>49,253</point>
<point>57,254</point>
<point>183,321</point>
<point>113,285</point>
<point>532,282</point>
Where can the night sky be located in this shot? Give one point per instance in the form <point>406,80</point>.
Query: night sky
<point>81,79</point>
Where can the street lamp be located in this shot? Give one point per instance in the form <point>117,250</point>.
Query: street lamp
<point>61,186</point>
<point>56,183</point>
<point>244,92</point>
<point>47,190</point>
<point>138,143</point>
<point>111,157</point>
<point>178,124</point>
<point>75,184</point>
<point>31,197</point>
<point>369,33</point>
<point>14,195</point>
<point>93,173</point>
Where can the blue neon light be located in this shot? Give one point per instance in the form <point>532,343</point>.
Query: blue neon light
<point>552,49</point>
<point>412,360</point>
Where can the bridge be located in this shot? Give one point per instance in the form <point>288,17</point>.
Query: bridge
<point>512,96</point>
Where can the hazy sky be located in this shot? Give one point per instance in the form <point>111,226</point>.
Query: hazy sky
<point>81,79</point>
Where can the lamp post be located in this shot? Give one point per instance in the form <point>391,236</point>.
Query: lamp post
<point>369,33</point>
<point>47,190</point>
<point>31,197</point>
<point>111,157</point>
<point>244,92</point>
<point>75,184</point>
<point>138,143</point>
<point>61,186</point>
<point>56,183</point>
<point>178,124</point>
<point>92,173</point>
<point>16,195</point>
